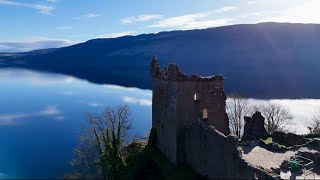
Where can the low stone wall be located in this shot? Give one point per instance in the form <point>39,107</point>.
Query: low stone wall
<point>216,156</point>
<point>289,139</point>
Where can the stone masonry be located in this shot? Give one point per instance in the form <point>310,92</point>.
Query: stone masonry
<point>180,100</point>
<point>254,127</point>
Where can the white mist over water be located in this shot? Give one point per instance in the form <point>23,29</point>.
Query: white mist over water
<point>302,110</point>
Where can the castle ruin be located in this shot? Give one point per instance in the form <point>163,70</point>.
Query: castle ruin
<point>179,101</point>
<point>192,128</point>
<point>191,124</point>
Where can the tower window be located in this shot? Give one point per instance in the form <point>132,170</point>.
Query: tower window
<point>196,96</point>
<point>205,114</point>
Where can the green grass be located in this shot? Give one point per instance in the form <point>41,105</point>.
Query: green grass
<point>270,140</point>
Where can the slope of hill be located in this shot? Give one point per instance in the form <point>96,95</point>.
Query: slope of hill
<point>267,60</point>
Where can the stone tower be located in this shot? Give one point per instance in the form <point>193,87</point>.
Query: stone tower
<point>178,101</point>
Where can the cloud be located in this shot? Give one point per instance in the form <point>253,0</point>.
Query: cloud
<point>251,2</point>
<point>4,47</point>
<point>141,102</point>
<point>250,15</point>
<point>64,27</point>
<point>194,21</point>
<point>141,18</point>
<point>67,93</point>
<point>95,104</point>
<point>307,12</point>
<point>91,15</point>
<point>49,110</point>
<point>43,9</point>
<point>32,44</point>
<point>224,9</point>
<point>53,1</point>
<point>115,35</point>
<point>60,118</point>
<point>36,79</point>
<point>120,88</point>
<point>12,119</point>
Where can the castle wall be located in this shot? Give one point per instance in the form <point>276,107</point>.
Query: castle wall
<point>174,106</point>
<point>164,117</point>
<point>216,156</point>
<point>211,97</point>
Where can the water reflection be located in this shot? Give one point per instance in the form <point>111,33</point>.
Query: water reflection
<point>12,119</point>
<point>41,115</point>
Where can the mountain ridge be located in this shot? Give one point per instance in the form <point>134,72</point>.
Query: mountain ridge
<point>265,60</point>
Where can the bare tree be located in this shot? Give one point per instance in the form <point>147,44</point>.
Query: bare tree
<point>277,117</point>
<point>99,153</point>
<point>237,107</point>
<point>315,123</point>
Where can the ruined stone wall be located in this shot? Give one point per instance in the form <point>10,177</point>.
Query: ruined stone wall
<point>164,117</point>
<point>210,97</point>
<point>254,127</point>
<point>175,106</point>
<point>215,156</point>
<point>289,139</point>
<point>185,135</point>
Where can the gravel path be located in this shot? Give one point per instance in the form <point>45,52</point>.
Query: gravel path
<point>261,157</point>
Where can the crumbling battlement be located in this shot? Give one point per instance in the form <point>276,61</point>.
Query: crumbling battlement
<point>172,72</point>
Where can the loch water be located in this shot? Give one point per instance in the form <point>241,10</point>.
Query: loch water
<point>41,116</point>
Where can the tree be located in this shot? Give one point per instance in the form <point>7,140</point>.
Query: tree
<point>277,117</point>
<point>99,154</point>
<point>315,123</point>
<point>237,107</point>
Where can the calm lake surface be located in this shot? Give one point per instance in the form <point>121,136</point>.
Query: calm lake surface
<point>41,115</point>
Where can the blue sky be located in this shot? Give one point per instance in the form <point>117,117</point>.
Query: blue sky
<point>33,24</point>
